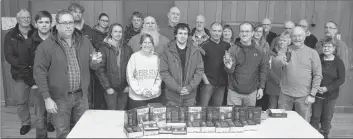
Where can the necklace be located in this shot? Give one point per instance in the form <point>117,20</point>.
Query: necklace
<point>326,66</point>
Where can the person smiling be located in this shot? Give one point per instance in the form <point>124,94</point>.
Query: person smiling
<point>143,75</point>
<point>112,70</point>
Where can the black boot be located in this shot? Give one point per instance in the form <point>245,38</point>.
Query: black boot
<point>50,127</point>
<point>25,129</point>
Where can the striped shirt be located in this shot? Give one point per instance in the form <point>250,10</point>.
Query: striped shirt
<point>73,67</point>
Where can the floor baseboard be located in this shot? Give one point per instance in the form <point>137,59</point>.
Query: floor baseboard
<point>344,109</point>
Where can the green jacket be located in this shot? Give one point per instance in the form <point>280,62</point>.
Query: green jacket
<point>171,71</point>
<point>50,66</point>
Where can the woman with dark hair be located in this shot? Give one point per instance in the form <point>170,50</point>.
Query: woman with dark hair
<point>143,74</point>
<point>100,30</point>
<point>228,34</point>
<point>333,72</point>
<point>112,72</point>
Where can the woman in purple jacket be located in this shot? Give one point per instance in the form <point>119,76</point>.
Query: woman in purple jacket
<point>333,72</point>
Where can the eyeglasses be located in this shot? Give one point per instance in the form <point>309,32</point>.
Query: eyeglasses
<point>288,28</point>
<point>330,28</point>
<point>266,24</point>
<point>302,26</point>
<point>66,23</point>
<point>247,31</point>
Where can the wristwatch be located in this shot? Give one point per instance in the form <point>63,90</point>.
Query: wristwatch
<point>311,95</point>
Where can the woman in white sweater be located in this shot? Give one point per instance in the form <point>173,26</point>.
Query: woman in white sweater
<point>143,75</point>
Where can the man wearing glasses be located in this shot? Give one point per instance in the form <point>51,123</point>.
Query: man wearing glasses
<point>331,30</point>
<point>266,23</point>
<point>310,39</point>
<point>288,27</point>
<point>16,54</point>
<point>247,69</point>
<point>62,72</point>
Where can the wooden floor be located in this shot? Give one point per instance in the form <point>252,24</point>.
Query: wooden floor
<point>10,125</point>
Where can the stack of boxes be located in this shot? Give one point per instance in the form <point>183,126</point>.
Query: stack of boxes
<point>158,119</point>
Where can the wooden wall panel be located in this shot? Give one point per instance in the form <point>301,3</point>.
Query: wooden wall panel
<point>262,12</point>
<point>302,9</point>
<point>97,7</point>
<point>344,24</point>
<point>119,12</point>
<point>226,10</point>
<point>295,11</point>
<point>193,11</point>
<point>110,8</point>
<point>160,9</point>
<point>331,10</point>
<point>183,7</point>
<point>241,11</point>
<point>210,11</point>
<point>219,11</point>
<point>319,9</point>
<point>271,10</point>
<point>202,7</point>
<point>279,11</point>
<point>252,11</point>
<point>89,13</point>
<point>233,14</point>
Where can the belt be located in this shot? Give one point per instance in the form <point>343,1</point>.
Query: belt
<point>73,92</point>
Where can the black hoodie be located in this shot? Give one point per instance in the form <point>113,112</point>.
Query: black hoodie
<point>249,71</point>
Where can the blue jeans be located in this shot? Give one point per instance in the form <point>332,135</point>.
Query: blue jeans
<point>322,113</point>
<point>286,102</point>
<point>42,116</point>
<point>22,98</point>
<point>211,95</point>
<point>73,106</point>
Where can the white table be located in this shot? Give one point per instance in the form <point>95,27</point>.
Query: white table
<point>109,124</point>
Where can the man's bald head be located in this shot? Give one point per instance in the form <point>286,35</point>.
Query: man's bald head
<point>200,22</point>
<point>304,24</point>
<point>174,15</point>
<point>266,23</point>
<point>288,26</point>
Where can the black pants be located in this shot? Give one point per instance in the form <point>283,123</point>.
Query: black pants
<point>322,114</point>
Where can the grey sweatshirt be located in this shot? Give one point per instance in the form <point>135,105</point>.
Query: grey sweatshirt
<point>303,73</point>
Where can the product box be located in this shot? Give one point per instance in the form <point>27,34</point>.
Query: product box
<point>183,114</point>
<point>225,112</point>
<point>212,113</point>
<point>243,115</point>
<point>165,129</point>
<point>208,127</point>
<point>277,113</point>
<point>222,127</point>
<point>193,127</point>
<point>257,115</point>
<point>234,128</point>
<point>133,131</point>
<point>250,120</point>
<point>196,113</point>
<point>130,118</point>
<point>179,129</point>
<point>142,114</point>
<point>150,128</point>
<point>172,114</point>
<point>157,113</point>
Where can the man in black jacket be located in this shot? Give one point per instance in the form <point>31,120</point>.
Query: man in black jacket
<point>43,21</point>
<point>266,23</point>
<point>16,54</point>
<point>247,69</point>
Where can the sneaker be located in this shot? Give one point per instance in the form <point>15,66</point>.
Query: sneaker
<point>50,127</point>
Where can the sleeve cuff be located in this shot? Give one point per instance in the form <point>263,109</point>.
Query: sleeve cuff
<point>45,95</point>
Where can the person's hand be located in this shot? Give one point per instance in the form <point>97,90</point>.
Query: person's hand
<point>147,93</point>
<point>310,100</point>
<point>96,57</point>
<point>34,87</point>
<point>50,106</point>
<point>259,94</point>
<point>184,91</point>
<point>110,91</point>
<point>322,90</point>
<point>126,90</point>
<point>283,59</point>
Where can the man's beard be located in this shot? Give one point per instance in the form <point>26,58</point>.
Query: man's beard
<point>154,33</point>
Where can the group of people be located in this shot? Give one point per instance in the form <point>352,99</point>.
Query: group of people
<point>175,65</point>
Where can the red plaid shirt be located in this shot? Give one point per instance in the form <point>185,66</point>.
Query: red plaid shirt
<point>72,64</point>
